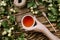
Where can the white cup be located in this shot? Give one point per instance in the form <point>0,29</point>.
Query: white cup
<point>28,28</point>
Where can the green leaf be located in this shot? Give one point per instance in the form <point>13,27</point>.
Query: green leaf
<point>58,1</point>
<point>6,38</point>
<point>2,9</point>
<point>22,35</point>
<point>58,25</point>
<point>40,1</point>
<point>12,18</point>
<point>52,19</point>
<point>5,24</point>
<point>20,38</point>
<point>34,6</point>
<point>58,20</point>
<point>30,4</point>
<point>52,16</point>
<point>49,14</point>
<point>54,11</point>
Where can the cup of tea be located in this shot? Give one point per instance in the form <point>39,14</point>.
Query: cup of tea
<point>28,22</point>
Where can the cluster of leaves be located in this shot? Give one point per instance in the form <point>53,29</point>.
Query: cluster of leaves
<point>7,11</point>
<point>7,8</point>
<point>31,3</point>
<point>52,13</point>
<point>20,37</point>
<point>34,5</point>
<point>4,9</point>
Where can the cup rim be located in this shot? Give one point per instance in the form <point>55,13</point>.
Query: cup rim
<point>27,28</point>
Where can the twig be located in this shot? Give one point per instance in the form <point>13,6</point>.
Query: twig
<point>37,2</point>
<point>48,20</point>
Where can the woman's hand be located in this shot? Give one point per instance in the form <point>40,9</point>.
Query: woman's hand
<point>41,28</point>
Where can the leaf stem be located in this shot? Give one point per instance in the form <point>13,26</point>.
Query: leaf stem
<point>48,20</point>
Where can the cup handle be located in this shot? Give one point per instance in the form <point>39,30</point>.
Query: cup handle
<point>20,4</point>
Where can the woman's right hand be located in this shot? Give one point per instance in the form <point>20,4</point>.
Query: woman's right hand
<point>39,27</point>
